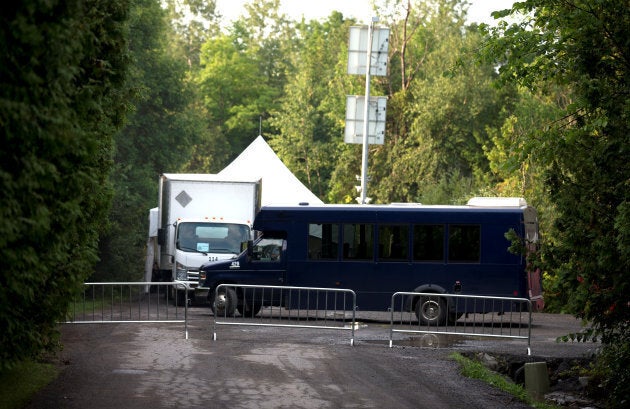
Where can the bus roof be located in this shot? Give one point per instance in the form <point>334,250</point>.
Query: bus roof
<point>472,206</point>
<point>394,213</point>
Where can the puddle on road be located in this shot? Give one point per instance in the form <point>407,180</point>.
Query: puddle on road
<point>421,340</point>
<point>428,341</point>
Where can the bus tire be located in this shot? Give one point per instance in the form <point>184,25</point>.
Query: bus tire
<point>249,310</point>
<point>454,316</point>
<point>223,304</point>
<point>431,310</point>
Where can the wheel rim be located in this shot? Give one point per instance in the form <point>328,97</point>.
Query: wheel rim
<point>430,310</point>
<point>220,302</point>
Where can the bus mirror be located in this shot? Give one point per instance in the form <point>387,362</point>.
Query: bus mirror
<point>250,248</point>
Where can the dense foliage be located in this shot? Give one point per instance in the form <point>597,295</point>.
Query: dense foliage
<point>62,72</point>
<point>582,46</point>
<point>543,115</point>
<point>161,128</point>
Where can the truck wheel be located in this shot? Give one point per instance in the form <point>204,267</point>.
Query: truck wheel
<point>431,310</point>
<point>178,298</point>
<point>223,304</point>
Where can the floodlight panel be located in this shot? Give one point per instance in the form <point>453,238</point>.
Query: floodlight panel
<point>355,106</point>
<point>357,50</point>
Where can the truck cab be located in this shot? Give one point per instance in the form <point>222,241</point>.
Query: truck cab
<point>262,263</point>
<point>200,218</point>
<point>197,242</point>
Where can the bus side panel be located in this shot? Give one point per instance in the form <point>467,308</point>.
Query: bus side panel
<point>323,275</point>
<point>372,284</point>
<point>375,283</point>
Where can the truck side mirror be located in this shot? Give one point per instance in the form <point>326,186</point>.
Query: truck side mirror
<point>161,237</point>
<point>250,248</point>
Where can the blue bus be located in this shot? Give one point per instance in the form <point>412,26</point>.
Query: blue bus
<point>378,250</point>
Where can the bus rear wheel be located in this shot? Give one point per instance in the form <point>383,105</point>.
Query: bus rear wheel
<point>431,310</point>
<point>454,316</point>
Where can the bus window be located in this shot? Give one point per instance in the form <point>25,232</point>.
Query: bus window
<point>464,243</point>
<point>268,250</point>
<point>428,242</point>
<point>323,241</point>
<point>358,241</point>
<point>393,242</point>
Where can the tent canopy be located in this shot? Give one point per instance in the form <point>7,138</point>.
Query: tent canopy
<point>279,185</point>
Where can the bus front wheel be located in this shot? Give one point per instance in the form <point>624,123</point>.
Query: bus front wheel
<point>250,309</point>
<point>223,303</point>
<point>431,310</point>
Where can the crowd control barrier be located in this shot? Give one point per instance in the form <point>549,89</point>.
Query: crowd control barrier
<point>284,306</point>
<point>130,302</point>
<point>463,315</point>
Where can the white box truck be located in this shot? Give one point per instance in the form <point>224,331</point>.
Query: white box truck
<point>200,218</point>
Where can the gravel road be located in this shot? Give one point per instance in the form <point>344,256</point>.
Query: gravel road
<point>154,366</point>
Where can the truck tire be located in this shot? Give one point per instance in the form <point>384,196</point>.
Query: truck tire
<point>431,310</point>
<point>178,298</point>
<point>223,305</point>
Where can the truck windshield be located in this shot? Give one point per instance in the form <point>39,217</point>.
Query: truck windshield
<point>211,237</point>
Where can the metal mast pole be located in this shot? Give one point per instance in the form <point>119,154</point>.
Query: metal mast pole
<point>366,113</point>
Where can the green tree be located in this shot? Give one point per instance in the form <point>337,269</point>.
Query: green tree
<point>159,135</point>
<point>193,22</point>
<point>583,45</point>
<point>310,117</point>
<point>62,95</point>
<point>516,164</point>
<point>439,108</point>
<point>231,86</point>
<point>241,79</point>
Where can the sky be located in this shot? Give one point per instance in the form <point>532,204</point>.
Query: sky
<point>479,10</point>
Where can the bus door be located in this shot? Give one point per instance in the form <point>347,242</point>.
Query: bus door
<point>266,266</point>
<point>268,262</point>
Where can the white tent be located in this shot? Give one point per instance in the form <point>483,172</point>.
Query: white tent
<point>279,185</point>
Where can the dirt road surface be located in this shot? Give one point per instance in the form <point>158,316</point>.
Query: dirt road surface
<point>153,366</point>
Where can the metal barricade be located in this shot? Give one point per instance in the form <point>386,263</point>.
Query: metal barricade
<point>130,302</point>
<point>284,306</point>
<point>463,315</point>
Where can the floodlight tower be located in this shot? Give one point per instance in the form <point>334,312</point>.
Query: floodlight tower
<point>367,51</point>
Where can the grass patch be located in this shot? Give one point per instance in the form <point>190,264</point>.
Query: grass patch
<point>475,370</point>
<point>81,308</point>
<point>20,383</point>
